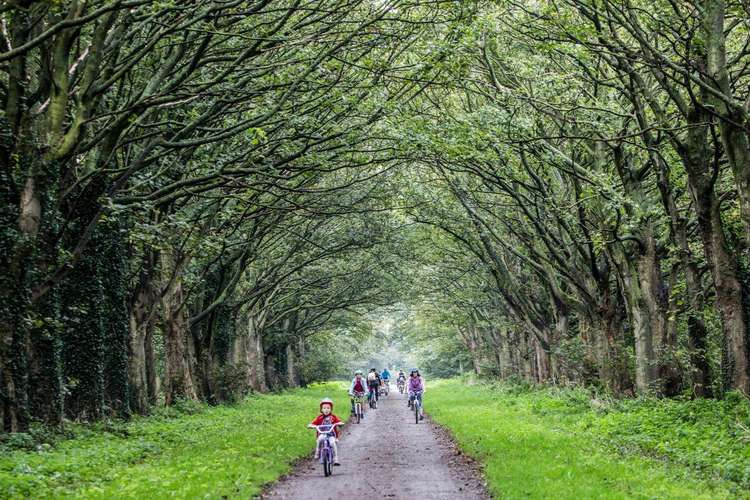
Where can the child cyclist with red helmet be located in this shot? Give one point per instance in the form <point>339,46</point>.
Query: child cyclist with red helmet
<point>327,417</point>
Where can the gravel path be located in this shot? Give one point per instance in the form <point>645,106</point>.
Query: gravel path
<point>386,456</point>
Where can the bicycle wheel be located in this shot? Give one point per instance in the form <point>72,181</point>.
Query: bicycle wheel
<point>358,410</point>
<point>416,411</point>
<point>326,462</point>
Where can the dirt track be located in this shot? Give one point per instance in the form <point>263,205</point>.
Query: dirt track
<point>386,456</point>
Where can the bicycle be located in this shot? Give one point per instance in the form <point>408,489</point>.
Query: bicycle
<point>401,385</point>
<point>326,453</point>
<point>359,408</point>
<point>386,388</point>
<point>373,397</point>
<point>415,403</point>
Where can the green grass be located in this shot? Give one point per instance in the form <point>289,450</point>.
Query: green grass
<point>219,451</point>
<point>560,444</point>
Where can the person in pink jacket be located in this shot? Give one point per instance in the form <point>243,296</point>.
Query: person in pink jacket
<point>416,388</point>
<point>358,387</point>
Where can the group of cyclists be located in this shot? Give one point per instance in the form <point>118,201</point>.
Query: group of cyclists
<point>372,384</point>
<point>327,423</point>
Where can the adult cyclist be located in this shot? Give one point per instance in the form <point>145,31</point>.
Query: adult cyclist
<point>385,376</point>
<point>373,383</point>
<point>416,387</point>
<point>401,381</point>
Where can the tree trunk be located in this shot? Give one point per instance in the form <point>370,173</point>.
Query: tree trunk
<point>141,325</point>
<point>732,118</point>
<point>543,364</point>
<point>730,295</point>
<point>44,362</point>
<point>655,297</point>
<point>151,379</point>
<point>301,352</point>
<point>469,341</point>
<point>115,319</point>
<point>273,379</point>
<point>178,377</point>
<point>83,338</point>
<point>256,357</point>
<point>700,373</point>
<point>505,358</point>
<point>640,276</point>
<point>729,291</point>
<point>562,322</point>
<point>646,374</point>
<point>527,356</point>
<point>291,371</point>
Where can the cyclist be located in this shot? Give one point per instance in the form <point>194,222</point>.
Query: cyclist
<point>401,380</point>
<point>327,417</point>
<point>416,388</point>
<point>385,376</point>
<point>358,388</point>
<point>373,383</point>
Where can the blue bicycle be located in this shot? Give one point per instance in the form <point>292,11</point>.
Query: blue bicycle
<point>326,450</point>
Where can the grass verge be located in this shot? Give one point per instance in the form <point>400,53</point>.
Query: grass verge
<point>225,451</point>
<point>562,444</point>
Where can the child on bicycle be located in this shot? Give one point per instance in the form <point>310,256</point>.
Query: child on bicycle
<point>416,388</point>
<point>358,388</point>
<point>327,417</point>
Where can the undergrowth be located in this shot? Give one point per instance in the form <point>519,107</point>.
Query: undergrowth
<point>572,443</point>
<point>188,451</point>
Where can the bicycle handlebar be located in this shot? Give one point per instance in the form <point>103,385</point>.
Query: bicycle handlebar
<point>323,428</point>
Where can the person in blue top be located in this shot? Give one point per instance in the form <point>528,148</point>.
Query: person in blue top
<point>385,376</point>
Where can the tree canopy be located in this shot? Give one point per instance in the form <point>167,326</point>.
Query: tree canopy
<point>200,199</point>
